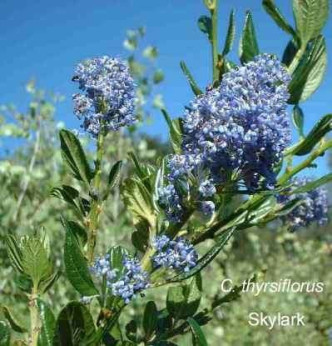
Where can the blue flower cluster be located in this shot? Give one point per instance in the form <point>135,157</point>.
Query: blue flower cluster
<point>176,254</point>
<point>314,206</point>
<point>242,126</point>
<point>107,101</point>
<point>170,200</point>
<point>132,280</point>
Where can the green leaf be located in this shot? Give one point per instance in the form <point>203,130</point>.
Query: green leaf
<point>175,131</point>
<point>321,128</point>
<point>158,76</point>
<point>14,253</point>
<point>70,195</point>
<point>46,284</point>
<point>117,255</point>
<point>198,335</point>
<point>47,324</point>
<point>221,241</point>
<point>4,334</point>
<point>74,157</point>
<point>309,74</point>
<point>79,232</point>
<point>279,19</point>
<point>314,184</point>
<point>310,18</point>
<point>74,326</point>
<point>183,300</point>
<point>12,320</point>
<point>76,265</point>
<point>230,34</point>
<point>298,119</point>
<point>205,25</point>
<point>289,53</point>
<point>194,87</point>
<point>150,319</point>
<point>114,176</point>
<point>248,43</point>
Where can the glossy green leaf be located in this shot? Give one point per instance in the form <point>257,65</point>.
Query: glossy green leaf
<point>183,300</point>
<point>76,265</point>
<point>47,320</point>
<point>114,176</point>
<point>74,326</point>
<point>298,119</point>
<point>194,86</point>
<point>248,44</point>
<point>15,324</point>
<point>274,12</point>
<point>230,34</point>
<point>310,18</point>
<point>221,241</point>
<point>321,128</point>
<point>314,184</point>
<point>150,319</point>
<point>289,53</point>
<point>309,74</point>
<point>205,25</point>
<point>79,232</point>
<point>74,156</point>
<point>4,334</point>
<point>198,335</point>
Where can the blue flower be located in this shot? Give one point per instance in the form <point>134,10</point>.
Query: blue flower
<point>176,254</point>
<point>314,206</point>
<point>240,127</point>
<point>207,189</point>
<point>208,208</point>
<point>170,201</point>
<point>126,285</point>
<point>107,98</point>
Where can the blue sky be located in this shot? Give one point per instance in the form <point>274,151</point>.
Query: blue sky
<point>44,39</point>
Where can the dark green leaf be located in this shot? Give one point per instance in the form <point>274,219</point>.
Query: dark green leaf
<point>67,194</point>
<point>289,53</point>
<point>310,18</point>
<point>47,324</point>
<point>205,25</point>
<point>314,184</point>
<point>194,87</point>
<point>150,319</point>
<point>79,232</point>
<point>230,34</point>
<point>208,257</point>
<point>198,335</point>
<point>321,128</point>
<point>4,334</point>
<point>14,323</point>
<point>76,265</point>
<point>74,157</point>
<point>183,300</point>
<point>298,119</point>
<point>248,43</point>
<point>114,176</point>
<point>279,19</point>
<point>74,326</point>
<point>310,72</point>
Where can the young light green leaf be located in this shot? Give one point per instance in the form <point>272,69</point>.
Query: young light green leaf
<point>205,25</point>
<point>198,335</point>
<point>310,72</point>
<point>298,119</point>
<point>74,326</point>
<point>16,325</point>
<point>76,265</point>
<point>117,255</point>
<point>74,156</point>
<point>279,19</point>
<point>14,253</point>
<point>194,86</point>
<point>47,319</point>
<point>248,44</point>
<point>310,18</point>
<point>4,334</point>
<point>150,319</point>
<point>158,76</point>
<point>230,34</point>
<point>114,176</point>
